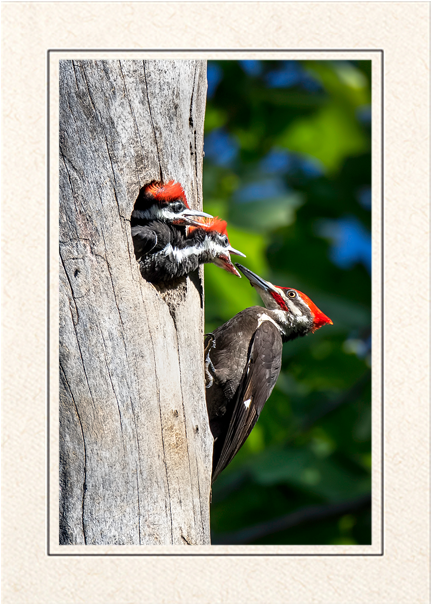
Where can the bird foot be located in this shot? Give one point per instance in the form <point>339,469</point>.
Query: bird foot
<point>209,345</point>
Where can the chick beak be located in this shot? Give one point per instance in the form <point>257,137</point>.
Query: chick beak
<point>236,252</point>
<point>224,261</point>
<point>187,217</point>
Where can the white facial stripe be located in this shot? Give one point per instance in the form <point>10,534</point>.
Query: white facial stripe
<point>284,318</point>
<point>294,309</point>
<point>214,247</point>
<point>297,308</point>
<point>157,213</point>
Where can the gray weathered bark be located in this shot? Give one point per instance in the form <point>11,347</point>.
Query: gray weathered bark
<point>135,445</point>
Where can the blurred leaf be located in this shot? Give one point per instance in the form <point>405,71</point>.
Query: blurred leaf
<point>329,137</point>
<point>343,80</point>
<point>304,469</point>
<point>262,217</point>
<point>214,118</point>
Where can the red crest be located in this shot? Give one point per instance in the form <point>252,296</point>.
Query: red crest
<point>320,319</point>
<point>166,192</point>
<point>211,224</point>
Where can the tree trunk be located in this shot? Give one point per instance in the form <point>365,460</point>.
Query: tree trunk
<point>135,445</point>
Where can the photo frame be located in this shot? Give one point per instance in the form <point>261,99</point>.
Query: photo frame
<point>398,553</point>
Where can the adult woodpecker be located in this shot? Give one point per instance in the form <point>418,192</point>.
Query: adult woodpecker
<point>243,361</point>
<point>165,252</point>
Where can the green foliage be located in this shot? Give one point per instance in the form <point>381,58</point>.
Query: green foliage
<point>311,448</point>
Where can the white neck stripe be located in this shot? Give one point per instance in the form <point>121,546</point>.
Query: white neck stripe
<point>264,317</point>
<point>157,213</point>
<point>181,254</point>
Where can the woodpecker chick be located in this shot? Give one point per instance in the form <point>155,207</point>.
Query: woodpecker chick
<point>216,232</point>
<point>165,253</point>
<point>166,202</point>
<point>244,361</point>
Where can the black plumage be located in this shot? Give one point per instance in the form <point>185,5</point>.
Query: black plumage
<point>154,236</point>
<point>243,362</point>
<point>166,251</point>
<point>159,224</point>
<point>247,369</point>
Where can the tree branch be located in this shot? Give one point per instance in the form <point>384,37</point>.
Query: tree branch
<point>307,515</point>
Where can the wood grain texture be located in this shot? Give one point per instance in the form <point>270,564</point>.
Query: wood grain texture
<point>135,445</point>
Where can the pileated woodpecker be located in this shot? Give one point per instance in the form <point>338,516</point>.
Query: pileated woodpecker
<point>243,361</point>
<point>164,252</point>
<point>165,202</point>
<point>163,244</point>
<point>160,204</point>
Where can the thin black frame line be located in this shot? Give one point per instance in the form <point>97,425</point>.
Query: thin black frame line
<point>48,306</point>
<point>62,50</point>
<point>381,51</point>
<point>382,284</point>
<point>191,555</point>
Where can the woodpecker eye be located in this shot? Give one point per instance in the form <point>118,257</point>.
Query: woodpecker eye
<point>224,239</point>
<point>177,207</point>
<point>291,294</point>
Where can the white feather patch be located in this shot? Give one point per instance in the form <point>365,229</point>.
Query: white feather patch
<point>247,403</point>
<point>263,317</point>
<point>156,212</point>
<point>294,309</point>
<point>178,255</point>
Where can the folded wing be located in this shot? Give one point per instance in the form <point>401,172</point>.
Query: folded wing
<point>259,377</point>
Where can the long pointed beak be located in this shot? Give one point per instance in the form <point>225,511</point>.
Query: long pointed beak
<point>255,279</point>
<point>189,214</point>
<point>233,251</point>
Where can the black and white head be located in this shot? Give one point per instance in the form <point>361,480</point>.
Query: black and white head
<point>166,202</point>
<point>302,313</point>
<point>214,241</point>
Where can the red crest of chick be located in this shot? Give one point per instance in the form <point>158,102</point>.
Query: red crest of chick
<point>216,225</point>
<point>211,224</point>
<point>166,192</point>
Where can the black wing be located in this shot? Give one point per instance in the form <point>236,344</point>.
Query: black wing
<point>144,240</point>
<point>155,236</point>
<point>260,375</point>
